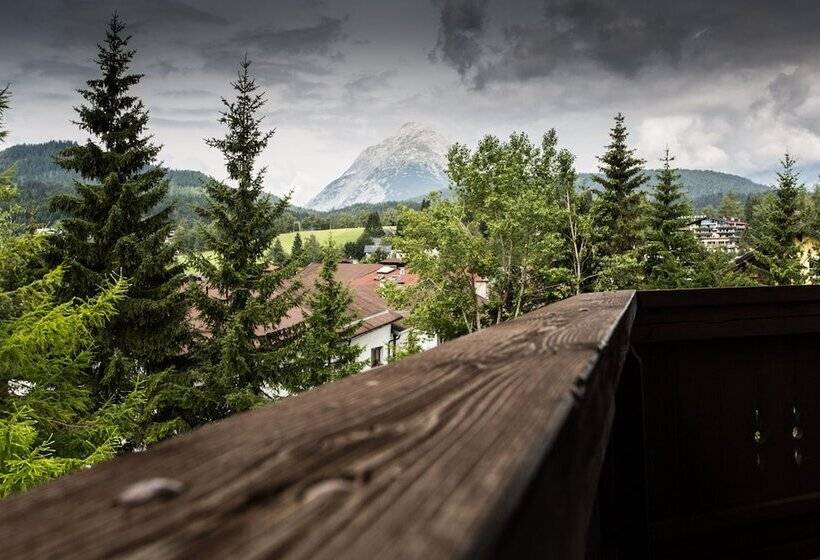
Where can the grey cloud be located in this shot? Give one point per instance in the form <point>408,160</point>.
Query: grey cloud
<point>461,26</point>
<point>56,68</point>
<point>163,68</point>
<point>626,37</point>
<point>314,39</point>
<point>368,83</point>
<point>789,91</point>
<point>185,93</point>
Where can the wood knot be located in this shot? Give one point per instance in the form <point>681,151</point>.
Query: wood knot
<point>325,487</point>
<point>149,490</point>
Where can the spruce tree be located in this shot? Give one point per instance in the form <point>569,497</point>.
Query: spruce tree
<point>312,251</point>
<point>373,225</point>
<point>776,229</point>
<point>296,248</point>
<point>325,349</point>
<point>115,226</point>
<point>242,359</point>
<point>5,95</point>
<point>277,254</point>
<point>618,212</point>
<point>672,250</point>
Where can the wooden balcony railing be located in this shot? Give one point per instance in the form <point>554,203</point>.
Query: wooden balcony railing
<point>608,425</point>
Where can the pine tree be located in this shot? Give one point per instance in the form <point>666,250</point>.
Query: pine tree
<point>326,352</point>
<point>619,201</point>
<point>296,248</point>
<point>776,229</point>
<point>277,254</point>
<point>241,358</point>
<point>113,227</point>
<point>672,250</point>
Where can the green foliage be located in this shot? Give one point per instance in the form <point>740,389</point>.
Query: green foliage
<point>671,251</point>
<point>5,96</point>
<point>444,249</point>
<point>312,251</point>
<point>240,360</point>
<point>277,254</point>
<point>730,206</point>
<point>114,226</point>
<point>49,421</point>
<point>618,205</point>
<point>296,248</point>
<point>325,351</point>
<point>778,222</point>
<point>373,225</point>
<point>411,345</point>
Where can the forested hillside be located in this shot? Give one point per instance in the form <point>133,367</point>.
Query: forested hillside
<point>39,178</point>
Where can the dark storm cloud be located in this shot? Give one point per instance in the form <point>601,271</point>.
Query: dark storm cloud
<point>80,20</point>
<point>625,37</point>
<point>461,27</point>
<point>319,38</point>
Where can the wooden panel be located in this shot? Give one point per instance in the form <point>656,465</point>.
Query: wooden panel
<point>427,458</point>
<point>726,312</point>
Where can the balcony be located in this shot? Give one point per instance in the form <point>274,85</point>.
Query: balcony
<point>671,424</point>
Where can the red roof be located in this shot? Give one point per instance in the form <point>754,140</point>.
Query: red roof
<point>363,281</point>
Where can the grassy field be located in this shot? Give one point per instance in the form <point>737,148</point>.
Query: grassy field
<point>340,236</point>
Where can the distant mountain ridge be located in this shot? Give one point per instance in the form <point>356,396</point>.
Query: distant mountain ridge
<point>405,166</point>
<point>39,178</point>
<point>698,183</point>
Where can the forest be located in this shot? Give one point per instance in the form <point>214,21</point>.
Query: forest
<point>129,321</point>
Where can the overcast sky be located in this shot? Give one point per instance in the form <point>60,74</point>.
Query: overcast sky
<point>728,85</point>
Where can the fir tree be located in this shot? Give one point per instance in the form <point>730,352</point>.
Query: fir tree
<point>277,254</point>
<point>5,95</point>
<point>296,248</point>
<point>776,229</point>
<point>326,352</point>
<point>672,250</point>
<point>312,251</point>
<point>373,225</point>
<point>621,177</point>
<point>113,227</point>
<point>241,358</point>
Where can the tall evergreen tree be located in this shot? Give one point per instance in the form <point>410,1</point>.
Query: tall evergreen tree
<point>776,229</point>
<point>621,177</point>
<point>296,248</point>
<point>672,250</point>
<point>373,225</point>
<point>325,349</point>
<point>114,227</point>
<point>277,254</point>
<point>241,358</point>
<point>5,95</point>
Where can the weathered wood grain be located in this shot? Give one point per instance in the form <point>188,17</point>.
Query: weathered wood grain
<point>436,456</point>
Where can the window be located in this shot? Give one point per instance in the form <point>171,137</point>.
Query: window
<point>376,356</point>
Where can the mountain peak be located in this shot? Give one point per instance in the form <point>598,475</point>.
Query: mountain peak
<point>404,166</point>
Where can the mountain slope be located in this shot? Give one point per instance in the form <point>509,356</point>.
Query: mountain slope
<point>698,183</point>
<point>38,179</point>
<point>404,166</point>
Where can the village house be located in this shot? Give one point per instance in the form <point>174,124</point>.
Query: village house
<point>724,233</point>
<point>380,328</point>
